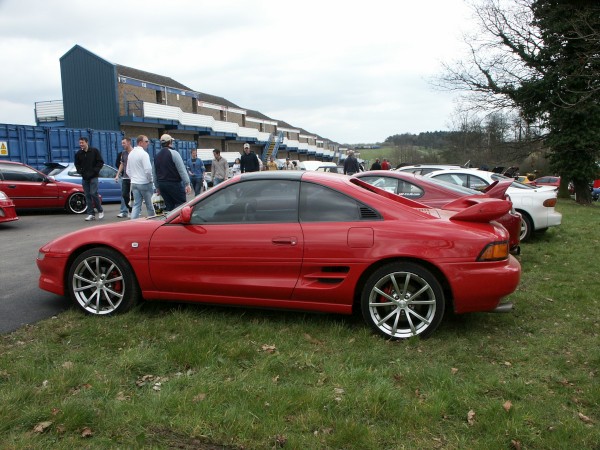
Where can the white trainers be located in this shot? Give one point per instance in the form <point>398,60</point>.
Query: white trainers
<point>122,215</point>
<point>101,215</point>
<point>90,217</point>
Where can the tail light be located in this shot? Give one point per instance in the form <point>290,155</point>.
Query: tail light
<point>496,251</point>
<point>550,203</point>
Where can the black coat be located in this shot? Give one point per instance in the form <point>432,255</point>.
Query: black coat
<point>89,164</point>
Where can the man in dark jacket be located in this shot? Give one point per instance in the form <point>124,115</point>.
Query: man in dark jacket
<point>351,164</point>
<point>249,161</point>
<point>89,162</point>
<point>170,174</point>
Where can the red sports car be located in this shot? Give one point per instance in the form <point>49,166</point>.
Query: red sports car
<point>296,240</point>
<point>7,209</point>
<point>438,194</point>
<point>31,189</point>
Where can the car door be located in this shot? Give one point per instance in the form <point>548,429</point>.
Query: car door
<point>107,186</point>
<point>336,242</point>
<point>243,241</point>
<point>27,187</point>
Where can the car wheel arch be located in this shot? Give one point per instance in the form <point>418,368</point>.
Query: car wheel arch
<point>356,304</point>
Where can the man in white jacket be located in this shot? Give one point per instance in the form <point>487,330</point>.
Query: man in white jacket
<point>139,170</point>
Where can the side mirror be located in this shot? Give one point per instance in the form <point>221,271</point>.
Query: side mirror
<point>186,214</point>
<point>49,179</point>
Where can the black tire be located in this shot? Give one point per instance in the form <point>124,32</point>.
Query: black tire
<point>402,300</point>
<point>526,226</point>
<point>101,282</point>
<point>76,203</point>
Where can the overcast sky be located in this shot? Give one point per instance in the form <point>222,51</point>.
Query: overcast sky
<point>352,72</point>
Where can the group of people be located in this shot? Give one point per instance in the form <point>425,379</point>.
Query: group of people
<point>378,165</point>
<point>172,178</point>
<point>168,175</point>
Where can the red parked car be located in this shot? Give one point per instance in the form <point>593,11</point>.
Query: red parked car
<point>31,189</point>
<point>547,181</point>
<point>439,194</point>
<point>298,240</point>
<point>7,209</point>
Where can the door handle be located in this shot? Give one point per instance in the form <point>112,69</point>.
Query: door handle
<point>285,240</point>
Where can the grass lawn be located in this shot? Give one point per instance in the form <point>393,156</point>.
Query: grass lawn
<point>195,377</point>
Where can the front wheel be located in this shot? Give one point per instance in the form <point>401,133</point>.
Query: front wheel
<point>76,203</point>
<point>101,282</point>
<point>401,300</point>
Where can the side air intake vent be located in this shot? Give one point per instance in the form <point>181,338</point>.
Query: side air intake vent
<point>368,213</point>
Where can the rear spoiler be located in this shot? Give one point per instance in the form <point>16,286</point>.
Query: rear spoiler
<point>498,189</point>
<point>478,208</point>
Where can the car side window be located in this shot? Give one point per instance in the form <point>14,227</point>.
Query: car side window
<point>477,183</point>
<point>107,172</point>
<point>409,190</point>
<point>255,201</point>
<point>454,178</point>
<point>387,183</point>
<point>21,173</point>
<point>321,204</point>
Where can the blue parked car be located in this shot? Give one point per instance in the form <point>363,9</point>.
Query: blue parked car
<point>107,187</point>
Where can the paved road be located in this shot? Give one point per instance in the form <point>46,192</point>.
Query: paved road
<point>21,301</point>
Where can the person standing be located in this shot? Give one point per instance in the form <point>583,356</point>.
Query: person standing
<point>351,164</point>
<point>249,161</point>
<point>139,170</point>
<point>385,165</point>
<point>196,169</point>
<point>271,165</point>
<point>170,174</point>
<point>376,165</point>
<point>219,168</point>
<point>89,162</point>
<point>288,164</point>
<point>236,169</point>
<point>125,180</point>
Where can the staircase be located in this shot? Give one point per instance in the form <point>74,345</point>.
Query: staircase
<point>272,146</point>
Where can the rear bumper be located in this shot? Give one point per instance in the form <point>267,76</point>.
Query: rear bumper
<point>479,287</point>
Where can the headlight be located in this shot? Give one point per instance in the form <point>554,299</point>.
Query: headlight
<point>41,256</point>
<point>3,196</point>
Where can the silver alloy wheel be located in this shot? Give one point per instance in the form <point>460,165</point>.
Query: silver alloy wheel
<point>402,304</point>
<point>76,203</point>
<point>98,285</point>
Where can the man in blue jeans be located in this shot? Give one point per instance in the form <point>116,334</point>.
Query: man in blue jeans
<point>139,170</point>
<point>88,163</point>
<point>170,174</point>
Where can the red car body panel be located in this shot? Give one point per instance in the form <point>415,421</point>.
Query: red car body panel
<point>8,212</point>
<point>313,266</point>
<point>435,195</point>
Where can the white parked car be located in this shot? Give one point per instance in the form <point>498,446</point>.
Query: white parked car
<point>422,169</point>
<point>536,204</point>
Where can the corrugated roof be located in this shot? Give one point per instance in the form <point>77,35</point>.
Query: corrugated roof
<point>142,75</point>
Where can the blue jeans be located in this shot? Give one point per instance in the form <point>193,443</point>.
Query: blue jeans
<point>217,181</point>
<point>125,195</point>
<point>172,193</point>
<point>92,199</point>
<point>142,192</point>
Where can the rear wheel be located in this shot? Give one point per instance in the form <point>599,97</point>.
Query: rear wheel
<point>101,282</point>
<point>526,226</point>
<point>401,300</point>
<point>76,203</point>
